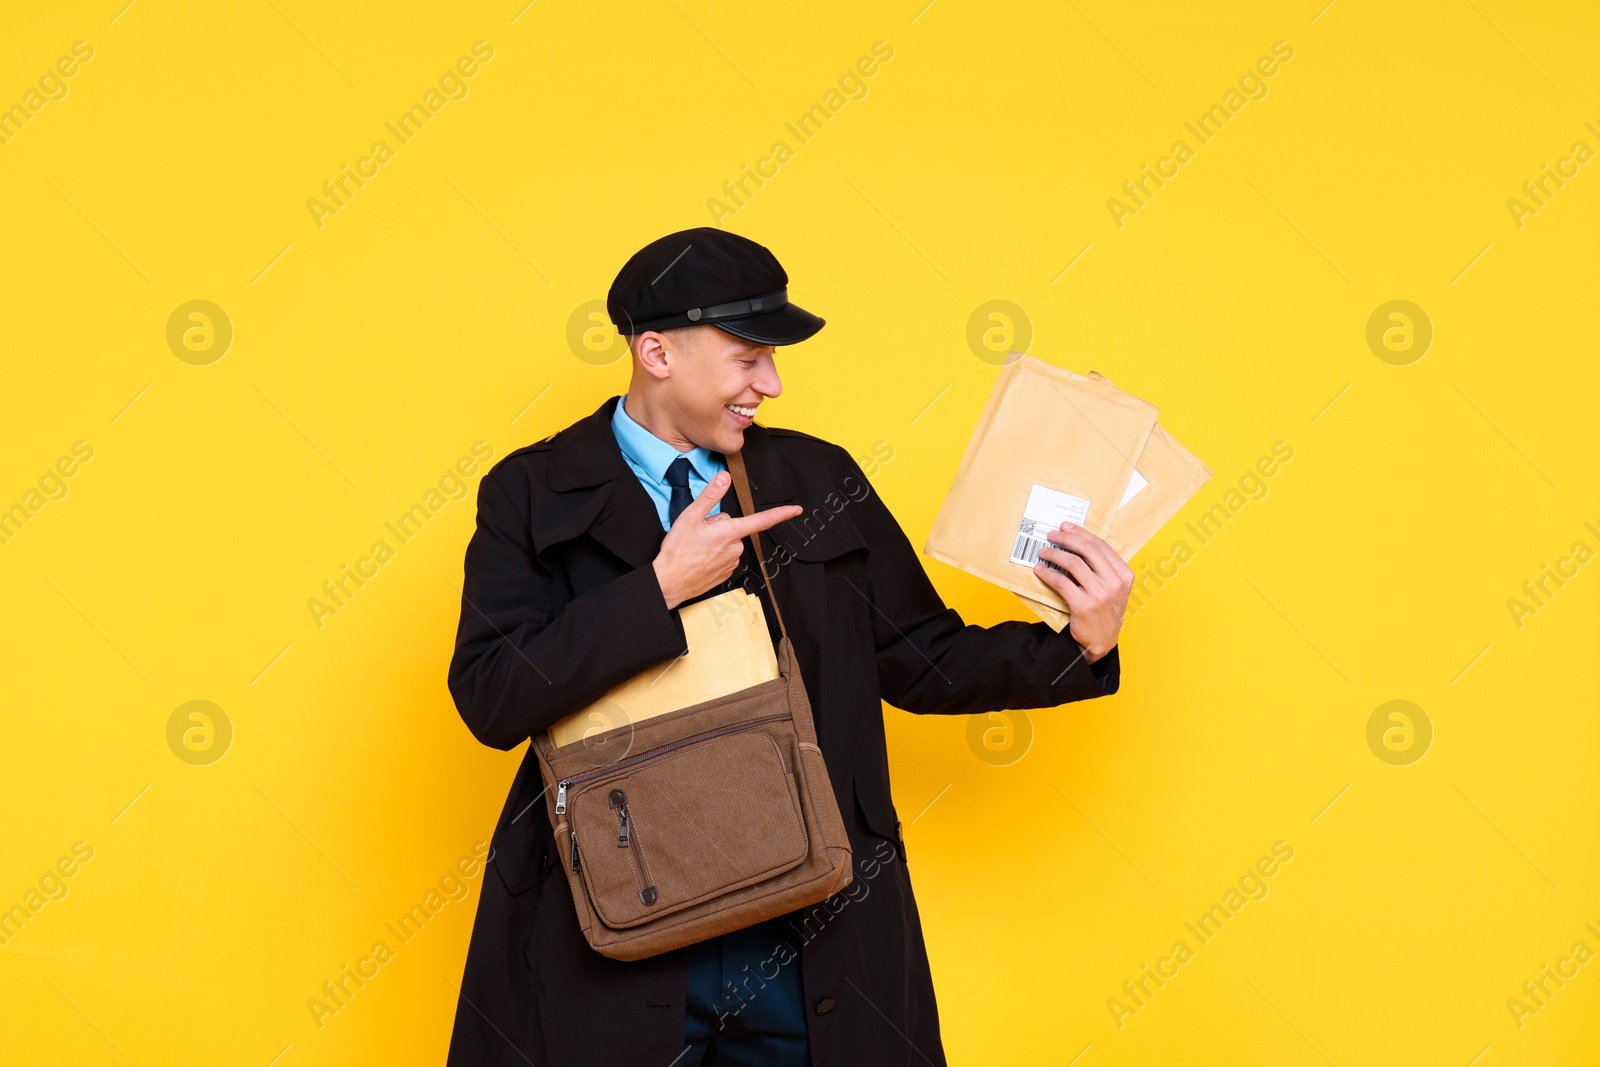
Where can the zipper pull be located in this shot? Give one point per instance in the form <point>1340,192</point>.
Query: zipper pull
<point>561,798</point>
<point>619,804</point>
<point>572,837</point>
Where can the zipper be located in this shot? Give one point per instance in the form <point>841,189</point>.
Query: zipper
<point>572,834</point>
<point>622,766</point>
<point>619,803</point>
<point>625,839</point>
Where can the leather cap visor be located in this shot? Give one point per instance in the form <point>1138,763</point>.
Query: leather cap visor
<point>787,325</point>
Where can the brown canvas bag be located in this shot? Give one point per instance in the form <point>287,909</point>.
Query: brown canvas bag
<point>700,821</point>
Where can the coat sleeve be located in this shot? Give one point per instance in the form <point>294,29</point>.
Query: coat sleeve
<point>932,662</point>
<point>520,664</point>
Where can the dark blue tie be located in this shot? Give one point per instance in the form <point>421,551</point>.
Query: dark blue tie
<point>678,478</point>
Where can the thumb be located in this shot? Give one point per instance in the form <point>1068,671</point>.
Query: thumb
<point>701,506</point>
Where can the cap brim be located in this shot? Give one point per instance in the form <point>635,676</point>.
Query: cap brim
<point>787,325</point>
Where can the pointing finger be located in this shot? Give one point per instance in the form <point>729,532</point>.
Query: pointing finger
<point>763,520</point>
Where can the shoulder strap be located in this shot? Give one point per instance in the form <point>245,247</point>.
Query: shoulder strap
<point>741,485</point>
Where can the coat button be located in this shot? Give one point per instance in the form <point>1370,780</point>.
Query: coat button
<point>825,1005</point>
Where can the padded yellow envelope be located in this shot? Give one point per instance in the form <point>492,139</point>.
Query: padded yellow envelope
<point>1050,446</point>
<point>729,650</point>
<point>1167,476</point>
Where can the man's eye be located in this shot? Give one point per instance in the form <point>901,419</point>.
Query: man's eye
<point>747,363</point>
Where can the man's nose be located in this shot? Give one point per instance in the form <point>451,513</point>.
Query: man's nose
<point>768,383</point>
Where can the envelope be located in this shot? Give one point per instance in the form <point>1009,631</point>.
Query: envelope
<point>1167,477</point>
<point>1174,475</point>
<point>729,649</point>
<point>1049,445</point>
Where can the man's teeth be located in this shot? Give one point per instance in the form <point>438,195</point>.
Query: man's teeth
<point>748,413</point>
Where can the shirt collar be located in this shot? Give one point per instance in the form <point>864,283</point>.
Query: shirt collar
<point>650,452</point>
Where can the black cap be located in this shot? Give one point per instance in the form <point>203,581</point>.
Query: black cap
<point>708,277</point>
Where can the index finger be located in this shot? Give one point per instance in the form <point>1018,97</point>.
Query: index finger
<point>1101,557</point>
<point>1067,588</point>
<point>762,520</point>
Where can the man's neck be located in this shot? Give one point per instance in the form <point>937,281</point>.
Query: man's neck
<point>639,407</point>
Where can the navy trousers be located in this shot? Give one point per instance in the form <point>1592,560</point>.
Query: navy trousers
<point>745,1000</point>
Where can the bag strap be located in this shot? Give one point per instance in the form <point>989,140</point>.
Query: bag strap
<point>741,485</point>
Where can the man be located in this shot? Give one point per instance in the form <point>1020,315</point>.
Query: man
<point>586,543</point>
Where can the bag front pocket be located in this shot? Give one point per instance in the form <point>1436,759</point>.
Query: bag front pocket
<point>662,832</point>
<point>648,894</point>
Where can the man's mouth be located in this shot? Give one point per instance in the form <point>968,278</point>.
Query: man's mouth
<point>744,414</point>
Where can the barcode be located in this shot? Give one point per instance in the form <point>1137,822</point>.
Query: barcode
<point>1026,550</point>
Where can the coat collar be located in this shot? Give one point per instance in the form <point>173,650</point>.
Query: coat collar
<point>601,496</point>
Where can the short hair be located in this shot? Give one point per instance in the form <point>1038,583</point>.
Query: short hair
<point>676,333</point>
<point>673,331</point>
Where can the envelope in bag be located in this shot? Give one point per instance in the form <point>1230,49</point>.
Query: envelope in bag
<point>729,649</point>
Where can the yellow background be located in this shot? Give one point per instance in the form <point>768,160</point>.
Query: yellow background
<point>431,312</point>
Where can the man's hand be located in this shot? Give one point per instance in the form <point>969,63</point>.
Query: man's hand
<point>702,550</point>
<point>1095,587</point>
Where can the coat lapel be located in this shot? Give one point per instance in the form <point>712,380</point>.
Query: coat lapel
<point>770,480</point>
<point>598,494</point>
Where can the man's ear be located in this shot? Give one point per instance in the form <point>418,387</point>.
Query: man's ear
<point>651,352</point>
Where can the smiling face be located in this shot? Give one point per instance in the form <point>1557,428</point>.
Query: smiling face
<point>699,386</point>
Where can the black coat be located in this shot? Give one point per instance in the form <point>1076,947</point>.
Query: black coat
<point>560,604</point>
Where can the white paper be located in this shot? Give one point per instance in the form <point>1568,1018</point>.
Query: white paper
<point>1136,483</point>
<point>1046,510</point>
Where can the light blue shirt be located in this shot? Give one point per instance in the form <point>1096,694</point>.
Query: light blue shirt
<point>649,457</point>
